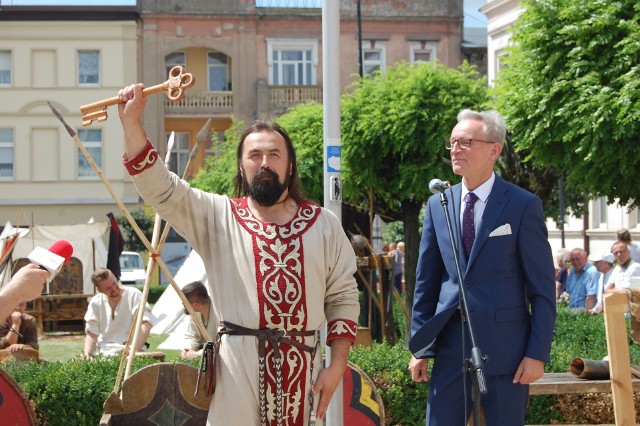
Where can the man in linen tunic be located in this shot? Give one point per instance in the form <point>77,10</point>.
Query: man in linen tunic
<point>196,294</point>
<point>107,328</point>
<point>264,272</point>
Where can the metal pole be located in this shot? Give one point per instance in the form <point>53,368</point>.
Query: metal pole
<point>332,149</point>
<point>359,21</point>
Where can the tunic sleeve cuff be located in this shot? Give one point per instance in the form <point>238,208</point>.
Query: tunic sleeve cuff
<point>145,159</point>
<point>342,329</point>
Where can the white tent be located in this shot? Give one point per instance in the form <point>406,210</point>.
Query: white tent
<point>169,311</point>
<point>85,238</point>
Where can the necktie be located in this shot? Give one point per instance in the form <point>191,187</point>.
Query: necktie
<point>468,228</point>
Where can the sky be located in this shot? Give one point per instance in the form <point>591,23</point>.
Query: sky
<point>472,17</point>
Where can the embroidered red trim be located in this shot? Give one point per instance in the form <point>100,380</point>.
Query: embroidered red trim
<point>145,159</point>
<point>342,329</point>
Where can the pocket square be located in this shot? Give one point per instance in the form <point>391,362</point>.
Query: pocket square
<point>501,230</point>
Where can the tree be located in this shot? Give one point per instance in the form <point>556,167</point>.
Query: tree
<point>144,222</point>
<point>393,131</point>
<point>220,168</point>
<point>570,91</point>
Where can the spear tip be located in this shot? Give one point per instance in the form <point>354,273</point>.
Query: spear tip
<point>72,132</point>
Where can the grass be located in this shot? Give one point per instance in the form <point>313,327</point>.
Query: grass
<point>66,346</point>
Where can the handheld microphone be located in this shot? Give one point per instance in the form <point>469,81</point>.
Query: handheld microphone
<point>52,259</point>
<point>437,186</point>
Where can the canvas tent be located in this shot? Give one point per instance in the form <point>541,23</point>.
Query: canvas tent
<point>86,239</point>
<point>168,310</point>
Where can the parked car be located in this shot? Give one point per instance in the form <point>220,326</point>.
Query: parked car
<point>132,270</point>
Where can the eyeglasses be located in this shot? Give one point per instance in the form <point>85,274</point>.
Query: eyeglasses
<point>462,142</point>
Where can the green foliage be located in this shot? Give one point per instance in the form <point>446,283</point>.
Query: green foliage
<point>394,232</point>
<point>394,125</point>
<point>133,242</point>
<point>70,393</point>
<point>404,400</point>
<point>155,291</point>
<point>303,122</point>
<point>570,90</point>
<point>220,168</point>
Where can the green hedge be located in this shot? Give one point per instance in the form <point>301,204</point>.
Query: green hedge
<point>73,392</point>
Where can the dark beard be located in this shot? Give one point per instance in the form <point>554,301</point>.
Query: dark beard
<point>265,192</point>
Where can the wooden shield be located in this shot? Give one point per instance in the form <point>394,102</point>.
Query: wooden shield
<point>361,401</point>
<point>15,407</point>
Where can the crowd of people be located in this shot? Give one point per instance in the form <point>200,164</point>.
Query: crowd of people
<point>582,280</point>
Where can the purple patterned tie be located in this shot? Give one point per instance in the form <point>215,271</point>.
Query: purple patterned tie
<point>468,229</point>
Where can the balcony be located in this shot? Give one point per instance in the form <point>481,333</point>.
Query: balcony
<point>287,96</point>
<point>275,100</point>
<point>201,103</point>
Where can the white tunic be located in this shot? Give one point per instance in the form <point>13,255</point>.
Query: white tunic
<point>112,328</point>
<point>261,275</point>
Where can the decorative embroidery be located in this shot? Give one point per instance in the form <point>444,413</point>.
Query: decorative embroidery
<point>342,328</point>
<point>145,159</point>
<point>279,260</point>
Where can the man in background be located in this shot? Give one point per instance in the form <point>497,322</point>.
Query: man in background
<point>196,293</point>
<point>604,264</point>
<point>582,282</point>
<point>626,269</point>
<point>19,331</point>
<point>111,314</point>
<point>625,236</point>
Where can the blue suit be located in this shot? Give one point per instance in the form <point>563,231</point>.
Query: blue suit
<point>510,288</point>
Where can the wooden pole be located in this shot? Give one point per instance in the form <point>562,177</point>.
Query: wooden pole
<point>615,307</point>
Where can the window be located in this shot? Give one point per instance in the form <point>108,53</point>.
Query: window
<point>217,70</point>
<point>373,56</point>
<point>6,153</point>
<point>5,67</point>
<point>423,52</point>
<point>173,59</point>
<point>180,152</point>
<point>292,62</point>
<point>92,140</point>
<point>88,67</point>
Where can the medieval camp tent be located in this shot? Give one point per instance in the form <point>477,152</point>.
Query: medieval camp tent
<point>86,239</point>
<point>168,310</point>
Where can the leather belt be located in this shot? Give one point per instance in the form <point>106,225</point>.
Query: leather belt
<point>274,336</point>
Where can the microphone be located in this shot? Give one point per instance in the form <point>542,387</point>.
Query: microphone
<point>52,259</point>
<point>437,186</point>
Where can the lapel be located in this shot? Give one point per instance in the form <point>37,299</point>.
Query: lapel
<point>497,201</point>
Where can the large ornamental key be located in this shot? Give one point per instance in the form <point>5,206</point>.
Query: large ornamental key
<point>175,86</point>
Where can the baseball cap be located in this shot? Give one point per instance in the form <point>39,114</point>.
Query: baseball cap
<point>605,256</point>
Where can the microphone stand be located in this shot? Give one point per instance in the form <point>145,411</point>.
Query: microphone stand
<point>475,364</point>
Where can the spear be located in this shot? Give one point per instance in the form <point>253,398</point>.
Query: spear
<point>133,224</point>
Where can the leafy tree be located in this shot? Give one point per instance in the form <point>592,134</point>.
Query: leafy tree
<point>220,168</point>
<point>393,128</point>
<point>303,122</point>
<point>144,222</point>
<point>570,91</point>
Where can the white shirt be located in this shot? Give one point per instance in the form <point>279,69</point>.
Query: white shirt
<point>482,192</point>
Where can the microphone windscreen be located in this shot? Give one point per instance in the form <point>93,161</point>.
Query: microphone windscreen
<point>62,248</point>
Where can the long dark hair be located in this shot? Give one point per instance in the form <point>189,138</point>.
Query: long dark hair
<point>294,191</point>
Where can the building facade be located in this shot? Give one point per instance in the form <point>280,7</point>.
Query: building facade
<point>69,57</point>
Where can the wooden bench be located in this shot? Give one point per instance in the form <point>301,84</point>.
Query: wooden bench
<point>621,385</point>
<point>560,383</point>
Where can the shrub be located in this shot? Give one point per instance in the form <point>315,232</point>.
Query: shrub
<point>69,393</point>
